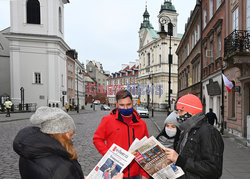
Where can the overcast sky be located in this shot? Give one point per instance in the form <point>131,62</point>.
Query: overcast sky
<point>107,30</point>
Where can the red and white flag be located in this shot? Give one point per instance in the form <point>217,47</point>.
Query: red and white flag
<point>229,85</point>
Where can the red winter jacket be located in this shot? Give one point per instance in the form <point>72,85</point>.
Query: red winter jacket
<point>112,129</point>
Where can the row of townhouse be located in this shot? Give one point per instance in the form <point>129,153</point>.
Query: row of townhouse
<point>217,41</point>
<point>124,79</point>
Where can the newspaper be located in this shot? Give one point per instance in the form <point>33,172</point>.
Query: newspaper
<point>112,163</point>
<point>150,155</point>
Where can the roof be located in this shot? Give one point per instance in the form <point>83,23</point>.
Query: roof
<point>179,36</point>
<point>4,43</point>
<point>153,33</point>
<point>167,6</point>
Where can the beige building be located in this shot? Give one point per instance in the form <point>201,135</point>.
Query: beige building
<point>153,61</point>
<point>99,76</point>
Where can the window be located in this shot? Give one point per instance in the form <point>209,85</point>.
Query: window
<point>62,80</point>
<point>198,32</point>
<point>211,6</point>
<point>205,59</point>
<point>218,45</point>
<point>235,19</point>
<point>218,3</point>
<point>148,59</point>
<point>193,40</point>
<point>204,17</point>
<point>33,12</point>
<point>37,78</point>
<point>248,15</point>
<point>70,84</point>
<point>90,69</point>
<point>60,19</point>
<point>160,60</point>
<point>211,51</point>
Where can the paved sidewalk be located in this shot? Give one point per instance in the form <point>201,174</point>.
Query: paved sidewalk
<point>27,115</point>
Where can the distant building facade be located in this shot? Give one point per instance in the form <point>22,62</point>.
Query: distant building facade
<point>189,56</point>
<point>99,76</point>
<point>126,78</point>
<point>237,66</point>
<point>212,38</point>
<point>4,67</point>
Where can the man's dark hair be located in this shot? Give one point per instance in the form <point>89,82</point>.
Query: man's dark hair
<point>121,94</point>
<point>210,110</point>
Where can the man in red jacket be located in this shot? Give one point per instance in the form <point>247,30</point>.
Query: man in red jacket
<point>121,127</point>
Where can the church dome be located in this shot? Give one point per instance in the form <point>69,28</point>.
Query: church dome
<point>167,6</point>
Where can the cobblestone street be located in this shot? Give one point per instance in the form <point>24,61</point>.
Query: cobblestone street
<point>236,156</point>
<point>86,123</point>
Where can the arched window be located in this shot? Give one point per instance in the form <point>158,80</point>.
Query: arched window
<point>33,12</point>
<point>60,19</point>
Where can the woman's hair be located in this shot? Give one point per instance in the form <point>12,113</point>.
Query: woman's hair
<point>66,143</point>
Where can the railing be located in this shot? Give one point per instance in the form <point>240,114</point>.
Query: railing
<point>27,107</point>
<point>238,42</point>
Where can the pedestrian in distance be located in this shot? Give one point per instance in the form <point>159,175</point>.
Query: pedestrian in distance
<point>169,136</point>
<point>67,107</point>
<point>8,105</point>
<point>122,126</point>
<point>199,151</point>
<point>211,117</point>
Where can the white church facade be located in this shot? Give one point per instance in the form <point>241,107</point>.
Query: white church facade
<point>37,51</point>
<point>154,65</point>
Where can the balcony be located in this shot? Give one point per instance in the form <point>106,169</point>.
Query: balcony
<point>237,47</point>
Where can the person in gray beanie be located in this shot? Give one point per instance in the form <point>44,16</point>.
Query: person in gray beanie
<point>170,133</point>
<point>47,152</point>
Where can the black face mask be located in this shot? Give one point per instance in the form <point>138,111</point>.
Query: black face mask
<point>184,117</point>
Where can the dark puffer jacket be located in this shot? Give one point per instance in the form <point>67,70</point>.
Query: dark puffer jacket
<point>43,157</point>
<point>202,155</point>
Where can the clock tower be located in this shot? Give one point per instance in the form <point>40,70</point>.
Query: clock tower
<point>168,9</point>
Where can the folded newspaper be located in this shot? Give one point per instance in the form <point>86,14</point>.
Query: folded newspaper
<point>150,155</point>
<point>112,163</point>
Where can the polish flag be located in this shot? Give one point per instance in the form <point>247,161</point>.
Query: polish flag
<point>229,85</point>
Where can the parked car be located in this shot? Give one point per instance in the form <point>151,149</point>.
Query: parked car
<point>105,107</point>
<point>97,102</point>
<point>142,111</point>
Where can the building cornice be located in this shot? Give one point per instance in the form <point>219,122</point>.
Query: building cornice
<point>37,38</point>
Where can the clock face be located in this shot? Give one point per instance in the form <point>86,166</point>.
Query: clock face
<point>164,20</point>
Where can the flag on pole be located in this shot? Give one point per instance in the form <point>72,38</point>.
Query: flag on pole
<point>229,85</point>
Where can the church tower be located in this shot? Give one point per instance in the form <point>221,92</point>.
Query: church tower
<point>168,9</point>
<point>144,25</point>
<point>43,17</point>
<point>37,51</point>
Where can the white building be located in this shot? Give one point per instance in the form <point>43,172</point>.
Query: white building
<point>37,51</point>
<point>153,58</point>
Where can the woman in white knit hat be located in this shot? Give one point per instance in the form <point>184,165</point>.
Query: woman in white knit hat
<point>47,152</point>
<point>170,133</point>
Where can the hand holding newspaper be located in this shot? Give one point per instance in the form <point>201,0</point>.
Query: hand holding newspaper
<point>112,163</point>
<point>150,155</point>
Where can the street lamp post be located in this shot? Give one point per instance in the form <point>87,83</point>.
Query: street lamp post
<point>77,95</point>
<point>163,34</point>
